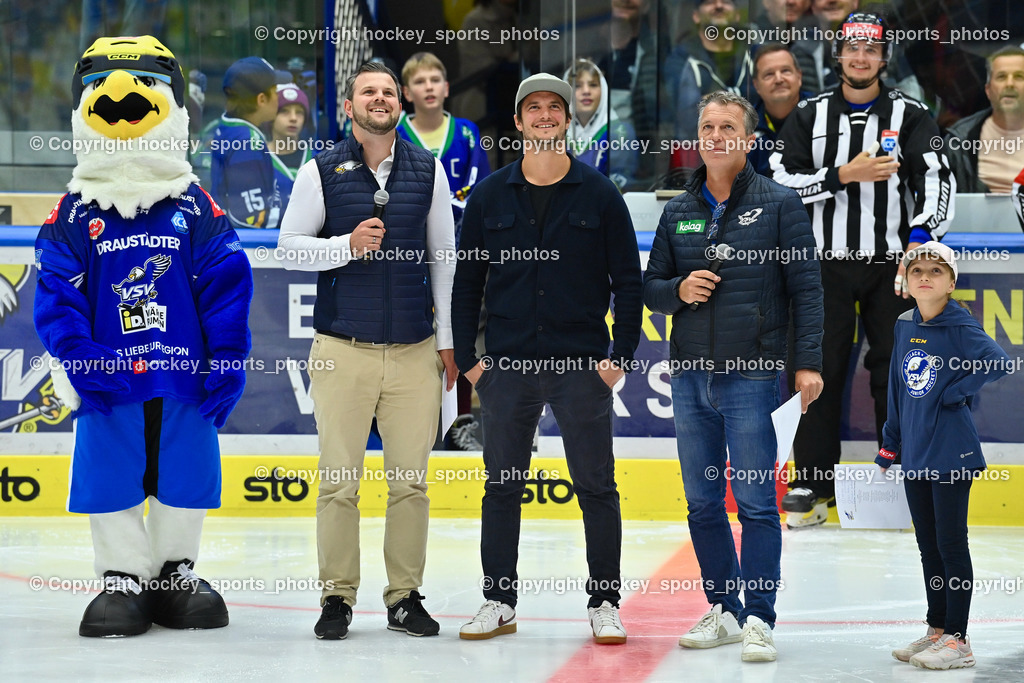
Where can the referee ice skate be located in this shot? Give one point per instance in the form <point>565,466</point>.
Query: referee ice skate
<point>865,210</point>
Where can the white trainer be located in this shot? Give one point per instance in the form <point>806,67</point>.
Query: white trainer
<point>494,619</point>
<point>758,645</point>
<point>920,645</point>
<point>714,628</point>
<point>946,653</point>
<point>604,620</point>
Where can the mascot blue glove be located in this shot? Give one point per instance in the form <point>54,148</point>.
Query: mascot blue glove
<point>225,384</point>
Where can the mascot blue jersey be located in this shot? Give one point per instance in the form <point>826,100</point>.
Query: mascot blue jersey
<point>464,162</point>
<point>166,291</point>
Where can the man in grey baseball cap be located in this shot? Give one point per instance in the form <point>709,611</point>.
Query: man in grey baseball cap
<point>543,82</point>
<point>556,242</point>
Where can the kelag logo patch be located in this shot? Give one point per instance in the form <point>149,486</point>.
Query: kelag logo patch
<point>683,227</point>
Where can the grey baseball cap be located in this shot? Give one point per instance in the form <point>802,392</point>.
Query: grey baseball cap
<point>543,82</point>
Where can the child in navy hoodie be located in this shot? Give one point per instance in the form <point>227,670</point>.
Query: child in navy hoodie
<point>931,428</point>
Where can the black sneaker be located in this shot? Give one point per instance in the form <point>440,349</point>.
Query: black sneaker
<point>799,500</point>
<point>408,615</point>
<point>334,619</point>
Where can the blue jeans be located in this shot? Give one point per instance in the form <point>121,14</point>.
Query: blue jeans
<point>712,410</point>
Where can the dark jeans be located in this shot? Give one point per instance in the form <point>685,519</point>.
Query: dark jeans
<point>510,407</point>
<point>847,283</point>
<point>713,410</point>
<point>939,511</point>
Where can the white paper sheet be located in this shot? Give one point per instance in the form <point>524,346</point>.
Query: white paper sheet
<point>867,498</point>
<point>449,404</point>
<point>786,418</point>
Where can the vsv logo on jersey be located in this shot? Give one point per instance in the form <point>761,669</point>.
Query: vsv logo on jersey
<point>920,372</point>
<point>139,310</point>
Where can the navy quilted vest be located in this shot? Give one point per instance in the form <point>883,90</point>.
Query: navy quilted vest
<point>384,299</point>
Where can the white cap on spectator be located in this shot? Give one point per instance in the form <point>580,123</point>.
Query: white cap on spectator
<point>544,83</point>
<point>936,249</point>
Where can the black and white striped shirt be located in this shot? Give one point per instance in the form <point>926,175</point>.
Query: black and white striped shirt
<point>824,133</point>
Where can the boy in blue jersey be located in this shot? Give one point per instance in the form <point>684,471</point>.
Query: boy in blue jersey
<point>142,299</point>
<point>456,142</point>
<point>241,165</point>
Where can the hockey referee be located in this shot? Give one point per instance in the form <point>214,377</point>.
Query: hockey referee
<point>865,211</point>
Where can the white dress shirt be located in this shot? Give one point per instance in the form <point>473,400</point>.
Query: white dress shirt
<point>299,248</point>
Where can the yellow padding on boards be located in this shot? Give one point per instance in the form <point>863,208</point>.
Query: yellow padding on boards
<point>286,486</point>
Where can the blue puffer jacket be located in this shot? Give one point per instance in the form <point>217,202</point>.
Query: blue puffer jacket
<point>775,269</point>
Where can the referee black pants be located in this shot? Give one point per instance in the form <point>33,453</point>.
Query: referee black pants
<point>846,284</point>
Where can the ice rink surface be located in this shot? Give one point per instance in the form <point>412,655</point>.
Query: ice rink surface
<point>849,598</point>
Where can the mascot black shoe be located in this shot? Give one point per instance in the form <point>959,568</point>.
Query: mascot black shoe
<point>142,300</point>
<point>122,609</point>
<point>180,599</point>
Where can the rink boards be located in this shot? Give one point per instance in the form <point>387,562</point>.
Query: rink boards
<point>286,486</point>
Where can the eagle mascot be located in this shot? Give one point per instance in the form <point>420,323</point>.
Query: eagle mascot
<point>142,300</point>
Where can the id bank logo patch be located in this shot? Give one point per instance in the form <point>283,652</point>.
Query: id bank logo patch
<point>139,310</point>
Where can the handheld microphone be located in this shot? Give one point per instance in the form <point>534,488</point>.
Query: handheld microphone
<point>380,198</point>
<point>723,252</point>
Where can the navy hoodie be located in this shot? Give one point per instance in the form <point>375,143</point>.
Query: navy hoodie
<point>936,368</point>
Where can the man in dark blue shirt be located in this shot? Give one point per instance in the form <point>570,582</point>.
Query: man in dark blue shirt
<point>546,241</point>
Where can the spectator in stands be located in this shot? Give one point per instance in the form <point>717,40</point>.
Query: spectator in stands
<point>595,126</point>
<point>456,142</point>
<point>631,70</point>
<point>289,148</point>
<point>812,53</point>
<point>777,79</point>
<point>864,210</point>
<point>708,62</point>
<point>241,167</point>
<point>782,13</point>
<point>488,71</point>
<point>992,165</point>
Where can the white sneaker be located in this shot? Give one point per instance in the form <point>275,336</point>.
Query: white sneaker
<point>946,653</point>
<point>758,645</point>
<point>920,645</point>
<point>604,620</point>
<point>714,628</point>
<point>494,619</point>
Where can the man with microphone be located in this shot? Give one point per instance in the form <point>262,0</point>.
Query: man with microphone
<point>383,337</point>
<point>726,358</point>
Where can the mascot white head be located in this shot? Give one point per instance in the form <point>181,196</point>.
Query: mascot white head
<point>130,125</point>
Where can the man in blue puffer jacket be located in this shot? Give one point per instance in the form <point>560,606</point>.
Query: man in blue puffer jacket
<point>727,350</point>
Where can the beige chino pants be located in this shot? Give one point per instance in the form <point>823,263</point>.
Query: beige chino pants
<point>350,382</point>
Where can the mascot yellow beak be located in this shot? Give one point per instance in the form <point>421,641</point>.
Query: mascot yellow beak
<point>124,106</point>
